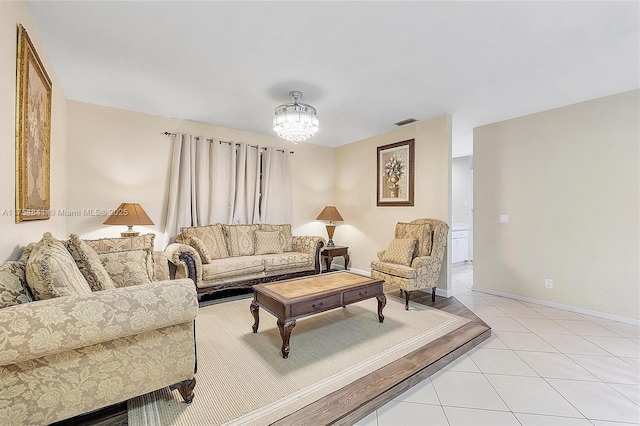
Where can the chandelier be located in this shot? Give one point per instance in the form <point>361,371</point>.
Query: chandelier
<point>295,122</point>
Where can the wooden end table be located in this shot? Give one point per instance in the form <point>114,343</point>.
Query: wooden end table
<point>328,253</point>
<point>290,300</point>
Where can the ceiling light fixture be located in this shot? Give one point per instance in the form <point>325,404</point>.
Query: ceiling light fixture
<point>295,122</point>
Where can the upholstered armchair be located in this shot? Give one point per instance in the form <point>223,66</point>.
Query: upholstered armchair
<point>414,258</point>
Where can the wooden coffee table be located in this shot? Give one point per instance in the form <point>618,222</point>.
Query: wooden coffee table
<point>290,300</point>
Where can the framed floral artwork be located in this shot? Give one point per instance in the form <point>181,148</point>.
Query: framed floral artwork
<point>396,174</point>
<point>33,132</point>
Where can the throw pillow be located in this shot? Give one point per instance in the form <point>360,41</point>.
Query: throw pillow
<point>200,247</point>
<point>400,251</point>
<point>52,272</point>
<point>212,237</point>
<point>161,263</point>
<point>26,253</point>
<point>421,232</point>
<point>126,268</point>
<point>268,242</point>
<point>13,284</point>
<point>89,264</point>
<point>241,239</point>
<point>286,239</point>
<point>141,242</point>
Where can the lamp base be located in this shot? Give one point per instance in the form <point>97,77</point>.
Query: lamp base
<point>330,229</point>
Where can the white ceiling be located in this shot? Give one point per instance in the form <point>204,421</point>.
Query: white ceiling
<point>363,65</point>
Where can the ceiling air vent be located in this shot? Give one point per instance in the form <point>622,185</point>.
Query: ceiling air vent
<point>407,121</point>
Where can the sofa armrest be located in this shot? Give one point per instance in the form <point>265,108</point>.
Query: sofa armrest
<point>187,261</point>
<point>311,245</point>
<point>380,254</point>
<point>33,330</point>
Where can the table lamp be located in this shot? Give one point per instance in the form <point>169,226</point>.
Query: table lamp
<point>331,214</point>
<point>129,214</point>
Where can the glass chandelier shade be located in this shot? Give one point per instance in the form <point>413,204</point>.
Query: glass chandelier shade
<point>295,122</point>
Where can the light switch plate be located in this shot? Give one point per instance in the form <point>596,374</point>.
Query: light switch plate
<point>504,218</point>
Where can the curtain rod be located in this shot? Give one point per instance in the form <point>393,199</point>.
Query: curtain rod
<point>227,142</point>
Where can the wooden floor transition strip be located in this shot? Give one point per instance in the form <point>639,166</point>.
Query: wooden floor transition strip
<point>357,400</point>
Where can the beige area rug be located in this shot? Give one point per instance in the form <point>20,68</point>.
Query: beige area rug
<point>243,379</point>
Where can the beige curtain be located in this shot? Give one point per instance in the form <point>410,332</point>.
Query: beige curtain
<point>223,182</point>
<point>219,182</point>
<point>247,189</point>
<point>179,205</point>
<point>276,205</point>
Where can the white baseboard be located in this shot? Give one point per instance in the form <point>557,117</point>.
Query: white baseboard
<point>569,308</point>
<point>356,271</point>
<point>439,291</point>
<point>443,293</point>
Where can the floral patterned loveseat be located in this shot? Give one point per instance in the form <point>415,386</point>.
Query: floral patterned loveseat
<point>239,256</point>
<point>93,339</point>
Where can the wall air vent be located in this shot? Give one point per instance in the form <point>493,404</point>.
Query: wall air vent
<point>407,121</point>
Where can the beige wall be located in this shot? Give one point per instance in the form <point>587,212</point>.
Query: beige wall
<point>367,228</point>
<point>569,180</point>
<point>14,236</point>
<point>123,156</point>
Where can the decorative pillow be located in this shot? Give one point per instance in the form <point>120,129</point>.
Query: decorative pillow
<point>52,272</point>
<point>286,239</point>
<point>400,251</point>
<point>24,257</point>
<point>89,264</point>
<point>268,242</point>
<point>126,268</point>
<point>421,232</point>
<point>240,239</point>
<point>113,245</point>
<point>161,264</point>
<point>200,247</point>
<point>212,236</point>
<point>13,284</point>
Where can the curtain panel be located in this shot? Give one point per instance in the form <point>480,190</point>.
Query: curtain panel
<point>221,182</point>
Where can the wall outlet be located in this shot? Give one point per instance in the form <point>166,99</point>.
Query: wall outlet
<point>504,218</point>
<point>548,283</point>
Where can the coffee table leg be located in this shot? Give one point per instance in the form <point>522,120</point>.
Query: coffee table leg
<point>382,301</point>
<point>285,333</point>
<point>256,315</point>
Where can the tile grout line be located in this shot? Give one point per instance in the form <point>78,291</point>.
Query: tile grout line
<point>571,332</point>
<point>599,380</point>
<point>538,374</point>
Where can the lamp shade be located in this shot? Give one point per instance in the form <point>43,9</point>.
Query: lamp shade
<point>330,213</point>
<point>129,214</point>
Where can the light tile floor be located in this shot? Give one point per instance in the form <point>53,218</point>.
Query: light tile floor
<point>542,366</point>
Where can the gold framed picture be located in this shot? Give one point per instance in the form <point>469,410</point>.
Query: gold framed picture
<point>395,174</point>
<point>33,133</point>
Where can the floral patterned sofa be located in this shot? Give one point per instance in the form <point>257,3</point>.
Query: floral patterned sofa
<point>239,256</point>
<point>86,324</point>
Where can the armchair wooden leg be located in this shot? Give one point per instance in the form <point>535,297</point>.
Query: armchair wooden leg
<point>406,299</point>
<point>185,388</point>
<point>433,294</point>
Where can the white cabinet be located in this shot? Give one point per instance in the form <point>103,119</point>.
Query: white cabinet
<point>459,246</point>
